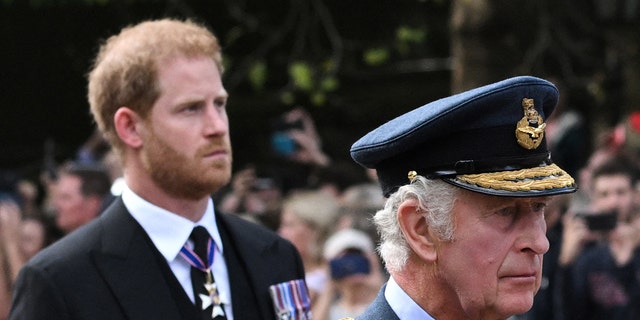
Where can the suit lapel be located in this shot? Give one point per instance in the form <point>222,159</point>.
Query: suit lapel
<point>128,265</point>
<point>242,292</point>
<point>255,257</point>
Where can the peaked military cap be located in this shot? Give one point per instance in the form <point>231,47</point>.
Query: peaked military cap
<point>489,140</point>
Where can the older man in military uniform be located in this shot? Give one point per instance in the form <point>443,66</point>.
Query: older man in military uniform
<point>467,179</point>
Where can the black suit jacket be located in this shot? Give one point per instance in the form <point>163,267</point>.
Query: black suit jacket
<point>109,269</point>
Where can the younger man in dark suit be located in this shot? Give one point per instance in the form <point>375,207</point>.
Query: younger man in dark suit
<point>161,251</point>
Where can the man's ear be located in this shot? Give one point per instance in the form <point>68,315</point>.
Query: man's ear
<point>419,236</point>
<point>128,125</point>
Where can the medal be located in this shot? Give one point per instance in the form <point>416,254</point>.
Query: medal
<point>291,300</point>
<point>213,298</point>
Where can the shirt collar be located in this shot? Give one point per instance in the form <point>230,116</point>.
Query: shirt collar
<point>168,231</point>
<point>400,302</point>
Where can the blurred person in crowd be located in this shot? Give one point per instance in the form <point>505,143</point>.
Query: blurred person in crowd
<point>160,251</point>
<point>467,178</point>
<point>585,175</point>
<point>358,204</point>
<point>255,197</point>
<point>93,149</point>
<point>297,150</point>
<point>632,133</point>
<point>355,275</point>
<point>80,194</point>
<point>28,193</point>
<point>613,185</point>
<point>631,143</point>
<point>624,138</point>
<point>308,218</point>
<point>47,180</point>
<point>338,177</point>
<point>11,259</point>
<point>114,167</point>
<point>567,133</point>
<point>611,182</point>
<point>20,238</point>
<point>10,221</point>
<point>600,281</point>
<point>5,295</point>
<point>295,138</point>
<point>33,236</point>
<point>625,135</point>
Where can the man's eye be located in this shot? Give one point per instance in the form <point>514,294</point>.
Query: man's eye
<point>192,107</point>
<point>508,211</point>
<point>539,206</point>
<point>220,103</point>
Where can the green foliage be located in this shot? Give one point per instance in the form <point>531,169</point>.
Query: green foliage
<point>329,84</point>
<point>302,75</point>
<point>233,35</point>
<point>376,56</point>
<point>258,75</point>
<point>227,61</point>
<point>313,80</point>
<point>407,36</point>
<point>318,98</point>
<point>287,98</point>
<point>411,35</point>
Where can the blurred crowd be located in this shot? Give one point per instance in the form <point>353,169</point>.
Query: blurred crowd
<point>592,270</point>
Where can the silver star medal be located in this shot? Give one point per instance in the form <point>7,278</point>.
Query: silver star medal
<point>212,298</point>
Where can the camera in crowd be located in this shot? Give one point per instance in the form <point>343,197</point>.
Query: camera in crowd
<point>260,184</point>
<point>352,262</point>
<point>281,141</point>
<point>600,221</point>
<point>348,253</point>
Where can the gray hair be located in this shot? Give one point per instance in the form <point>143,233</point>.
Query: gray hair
<point>435,199</point>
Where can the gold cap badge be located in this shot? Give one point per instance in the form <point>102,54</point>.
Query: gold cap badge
<point>412,175</point>
<point>530,129</point>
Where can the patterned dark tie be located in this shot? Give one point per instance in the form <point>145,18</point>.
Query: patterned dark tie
<point>204,287</point>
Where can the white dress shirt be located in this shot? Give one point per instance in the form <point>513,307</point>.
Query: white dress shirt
<point>169,232</point>
<point>400,302</point>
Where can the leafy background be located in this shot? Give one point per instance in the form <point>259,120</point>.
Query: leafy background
<point>351,64</point>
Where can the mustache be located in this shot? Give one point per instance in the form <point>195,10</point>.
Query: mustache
<point>215,147</point>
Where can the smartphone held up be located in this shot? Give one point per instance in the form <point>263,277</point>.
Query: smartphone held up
<point>599,221</point>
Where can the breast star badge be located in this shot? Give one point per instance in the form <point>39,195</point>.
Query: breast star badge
<point>212,299</point>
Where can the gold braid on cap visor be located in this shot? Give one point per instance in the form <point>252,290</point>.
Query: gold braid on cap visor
<point>538,178</point>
